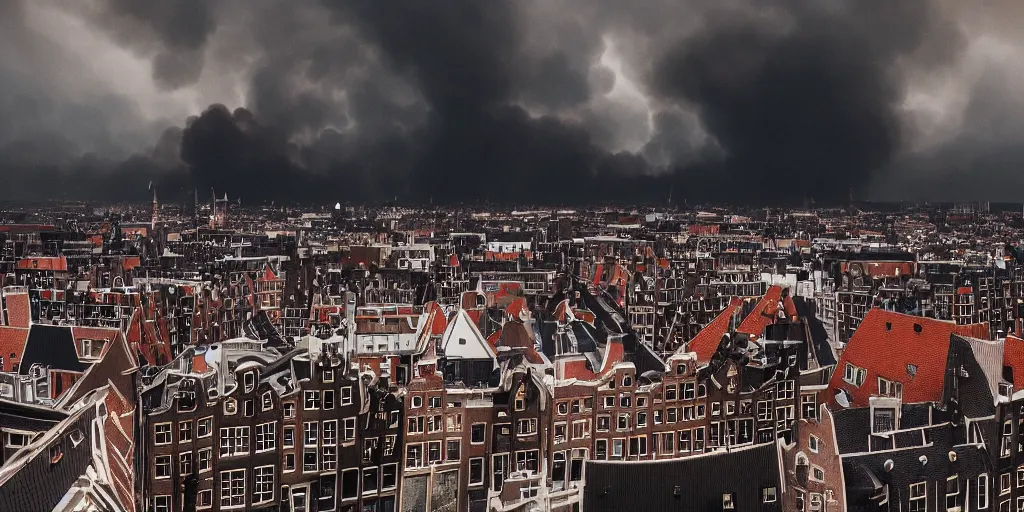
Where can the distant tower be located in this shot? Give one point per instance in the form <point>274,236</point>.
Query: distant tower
<point>219,215</point>
<point>156,209</point>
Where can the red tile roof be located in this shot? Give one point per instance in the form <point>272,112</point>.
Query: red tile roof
<point>1013,356</point>
<point>12,341</point>
<point>516,308</point>
<point>19,313</point>
<point>886,344</point>
<point>790,307</point>
<point>764,313</point>
<point>577,369</point>
<point>706,342</point>
<point>58,263</point>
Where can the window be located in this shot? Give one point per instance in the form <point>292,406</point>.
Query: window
<point>204,427</point>
<point>416,425</point>
<point>417,401</point>
<point>369,480</point>
<point>604,423</point>
<point>161,503</point>
<point>476,471</point>
<point>329,458</point>
<point>309,460</point>
<point>716,409</point>
<point>185,431</point>
<point>249,408</point>
<point>560,432</point>
<point>234,441</point>
<point>625,400</point>
<point>982,491</point>
<point>289,410</point>
<point>350,429</point>
<point>520,401</point>
<point>702,390</point>
<point>311,401</point>
<point>434,451</point>
<point>204,499</point>
<point>684,441</point>
<point>727,502</point>
<point>310,431</point>
<point>526,426</point>
<point>453,422</point>
<point>328,399</point>
<point>689,390</point>
<point>581,429</point>
<point>609,402</point>
<point>268,401</point>
<point>809,406</point>
<point>230,406</point>
<point>563,408</point>
<point>768,495</point>
<point>641,419</point>
<point>328,376</point>
<point>434,423</point>
<point>452,450</point>
<point>576,407</point>
<point>617,447</point>
<point>952,491</point>
<point>389,477</point>
<point>266,436</point>
<point>526,460</point>
<point>249,378</point>
<point>730,408</point>
<point>854,375</point>
<point>289,437</point>
<point>1004,483</point>
<point>477,433</point>
<point>289,462</point>
<point>638,446</point>
<point>919,497</point>
<point>670,392</point>
<point>890,388</point>
<point>163,466</point>
<point>205,459</point>
<point>884,421</point>
<point>232,488</point>
<point>623,423</point>
<point>698,439</point>
<point>627,381</point>
<point>814,443</point>
<point>330,433</point>
<point>414,456</point>
<point>263,486</point>
<point>667,443</point>
<point>185,463</point>
<point>346,395</point>
<point>817,474</point>
<point>162,433</point>
<point>16,440</point>
<point>601,452</point>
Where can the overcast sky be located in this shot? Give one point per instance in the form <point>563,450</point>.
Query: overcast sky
<point>524,101</point>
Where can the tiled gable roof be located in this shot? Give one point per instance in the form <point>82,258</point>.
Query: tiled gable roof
<point>12,346</point>
<point>763,314</point>
<point>706,342</point>
<point>908,349</point>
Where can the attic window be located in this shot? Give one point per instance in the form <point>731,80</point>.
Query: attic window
<point>462,341</point>
<point>56,454</point>
<point>917,328</point>
<point>76,437</point>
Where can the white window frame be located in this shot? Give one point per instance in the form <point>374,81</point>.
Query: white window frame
<point>769,495</point>
<point>232,477</point>
<point>982,500</point>
<point>261,484</point>
<point>266,436</point>
<point>921,489</point>
<point>346,395</point>
<point>162,461</point>
<point>158,432</point>
<point>311,400</point>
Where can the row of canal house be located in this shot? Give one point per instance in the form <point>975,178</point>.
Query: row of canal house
<point>265,426</point>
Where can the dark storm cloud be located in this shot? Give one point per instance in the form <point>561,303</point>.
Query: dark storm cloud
<point>513,100</point>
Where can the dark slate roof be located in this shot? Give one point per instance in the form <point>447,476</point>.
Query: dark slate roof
<point>52,346</point>
<point>853,428</point>
<point>690,484</point>
<point>819,337</point>
<point>21,416</point>
<point>908,468</point>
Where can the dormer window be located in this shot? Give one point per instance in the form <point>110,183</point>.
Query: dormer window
<point>627,381</point>
<point>91,349</point>
<point>883,420</point>
<point>890,388</point>
<point>854,375</point>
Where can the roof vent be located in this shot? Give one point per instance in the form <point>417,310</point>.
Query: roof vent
<point>917,328</point>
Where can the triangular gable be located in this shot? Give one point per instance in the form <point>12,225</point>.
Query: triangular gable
<point>463,340</point>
